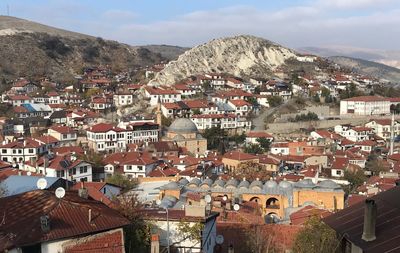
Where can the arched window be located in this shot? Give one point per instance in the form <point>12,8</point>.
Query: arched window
<point>272,203</point>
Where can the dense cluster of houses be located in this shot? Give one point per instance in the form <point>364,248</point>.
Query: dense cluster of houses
<point>72,137</point>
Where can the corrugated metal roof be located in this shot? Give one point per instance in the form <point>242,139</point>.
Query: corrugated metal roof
<point>14,185</point>
<point>350,221</point>
<point>69,217</point>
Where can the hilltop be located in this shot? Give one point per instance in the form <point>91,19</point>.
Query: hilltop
<point>34,50</point>
<point>242,56</point>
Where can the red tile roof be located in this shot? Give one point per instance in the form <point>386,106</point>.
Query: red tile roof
<point>109,242</point>
<point>302,215</point>
<point>239,102</point>
<point>104,127</point>
<point>129,158</point>
<point>367,99</point>
<point>68,218</point>
<point>239,156</point>
<point>62,129</point>
<point>259,135</point>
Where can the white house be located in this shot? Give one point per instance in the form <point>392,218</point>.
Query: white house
<point>224,121</point>
<point>67,167</point>
<point>365,105</point>
<point>64,134</point>
<point>191,216</point>
<point>252,137</point>
<point>164,96</point>
<point>106,138</point>
<point>130,164</point>
<point>383,127</point>
<point>123,99</point>
<point>22,151</point>
<point>280,148</point>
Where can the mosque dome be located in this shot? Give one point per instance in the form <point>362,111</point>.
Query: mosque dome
<point>183,126</point>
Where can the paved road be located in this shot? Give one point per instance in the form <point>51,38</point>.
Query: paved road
<point>258,122</point>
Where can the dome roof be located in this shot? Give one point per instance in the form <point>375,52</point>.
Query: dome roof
<point>285,184</point>
<point>183,181</point>
<point>270,184</point>
<point>328,184</point>
<point>207,181</point>
<point>244,184</point>
<point>232,183</point>
<point>256,183</point>
<point>195,182</point>
<point>183,126</point>
<point>219,183</point>
<point>305,183</point>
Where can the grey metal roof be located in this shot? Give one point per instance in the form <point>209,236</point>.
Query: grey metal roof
<point>14,185</point>
<point>183,125</point>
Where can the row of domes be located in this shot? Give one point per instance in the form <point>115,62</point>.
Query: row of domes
<point>254,185</point>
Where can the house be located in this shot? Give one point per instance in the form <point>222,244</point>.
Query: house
<point>64,134</point>
<point>123,99</point>
<point>23,86</point>
<point>22,150</point>
<point>233,160</point>
<point>67,167</point>
<point>365,105</point>
<point>224,121</point>
<point>37,220</point>
<point>100,191</point>
<point>32,110</point>
<point>58,117</point>
<point>130,164</point>
<point>251,137</point>
<point>104,137</point>
<point>241,107</point>
<point>18,100</point>
<point>383,127</point>
<point>164,96</point>
<point>167,228</point>
<point>370,225</point>
<point>101,103</point>
<point>280,148</point>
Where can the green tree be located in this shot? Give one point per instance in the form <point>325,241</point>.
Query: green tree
<point>316,98</point>
<point>137,234</point>
<point>252,101</point>
<point>274,101</point>
<point>166,122</point>
<point>238,138</point>
<point>316,237</point>
<point>264,143</point>
<point>196,112</point>
<point>121,181</point>
<point>253,149</point>
<point>355,179</point>
<point>214,136</point>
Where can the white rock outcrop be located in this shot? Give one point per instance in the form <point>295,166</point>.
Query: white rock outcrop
<point>240,55</point>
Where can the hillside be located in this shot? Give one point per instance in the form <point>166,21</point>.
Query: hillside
<point>364,67</point>
<point>166,51</point>
<point>35,50</point>
<point>241,56</point>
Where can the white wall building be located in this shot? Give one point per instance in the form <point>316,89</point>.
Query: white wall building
<point>365,105</point>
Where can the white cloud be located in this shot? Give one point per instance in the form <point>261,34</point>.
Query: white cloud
<point>353,4</point>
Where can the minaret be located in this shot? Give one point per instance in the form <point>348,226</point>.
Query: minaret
<point>159,115</point>
<point>391,135</point>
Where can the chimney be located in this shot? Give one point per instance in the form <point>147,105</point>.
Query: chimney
<point>90,216</point>
<point>155,244</point>
<point>83,192</point>
<point>369,220</point>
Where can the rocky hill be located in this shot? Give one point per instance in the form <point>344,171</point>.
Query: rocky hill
<point>241,56</point>
<point>168,52</point>
<point>370,68</point>
<point>35,50</point>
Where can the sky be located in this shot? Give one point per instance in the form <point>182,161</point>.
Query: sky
<point>293,23</point>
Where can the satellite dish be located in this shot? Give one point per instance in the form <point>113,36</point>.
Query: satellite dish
<point>207,198</point>
<point>224,198</point>
<point>29,173</point>
<point>60,192</point>
<point>41,183</point>
<point>219,239</point>
<point>236,207</point>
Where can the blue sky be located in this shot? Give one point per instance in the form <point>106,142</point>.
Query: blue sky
<point>294,23</point>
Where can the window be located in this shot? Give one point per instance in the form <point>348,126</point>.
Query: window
<point>30,151</point>
<point>65,136</point>
<point>60,173</point>
<point>4,151</point>
<point>83,169</point>
<point>140,167</point>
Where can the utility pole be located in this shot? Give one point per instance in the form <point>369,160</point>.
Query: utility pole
<point>392,135</point>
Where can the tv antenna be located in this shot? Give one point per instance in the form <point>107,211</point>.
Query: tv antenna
<point>60,192</point>
<point>41,183</point>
